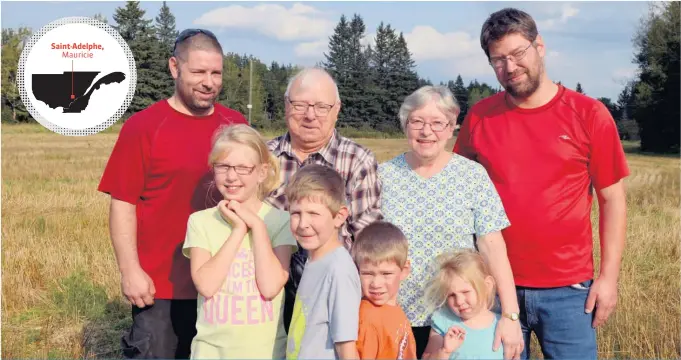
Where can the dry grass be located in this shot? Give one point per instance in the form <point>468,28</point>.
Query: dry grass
<point>61,295</point>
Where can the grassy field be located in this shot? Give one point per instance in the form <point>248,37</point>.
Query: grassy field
<point>60,285</point>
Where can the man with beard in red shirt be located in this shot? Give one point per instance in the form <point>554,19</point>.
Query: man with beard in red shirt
<point>548,149</point>
<point>157,175</point>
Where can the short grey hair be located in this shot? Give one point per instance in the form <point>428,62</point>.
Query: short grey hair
<point>304,73</point>
<point>443,98</point>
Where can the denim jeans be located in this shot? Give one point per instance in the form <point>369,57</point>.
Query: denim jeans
<point>557,317</point>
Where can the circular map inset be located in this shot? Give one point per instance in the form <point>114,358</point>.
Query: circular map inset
<point>76,76</point>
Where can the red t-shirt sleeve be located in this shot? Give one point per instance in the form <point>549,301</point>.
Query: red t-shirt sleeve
<point>607,164</point>
<point>123,176</point>
<point>463,144</point>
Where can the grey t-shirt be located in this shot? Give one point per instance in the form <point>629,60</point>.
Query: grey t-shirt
<point>326,309</point>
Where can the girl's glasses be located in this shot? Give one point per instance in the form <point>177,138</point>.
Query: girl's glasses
<point>241,170</point>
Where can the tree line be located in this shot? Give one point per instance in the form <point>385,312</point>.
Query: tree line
<point>373,79</point>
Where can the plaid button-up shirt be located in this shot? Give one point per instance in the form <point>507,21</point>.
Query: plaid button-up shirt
<point>356,165</point>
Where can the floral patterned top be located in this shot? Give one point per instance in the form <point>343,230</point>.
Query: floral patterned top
<point>437,214</point>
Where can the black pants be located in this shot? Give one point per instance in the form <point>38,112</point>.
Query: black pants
<point>162,331</point>
<point>421,335</point>
<point>298,260</point>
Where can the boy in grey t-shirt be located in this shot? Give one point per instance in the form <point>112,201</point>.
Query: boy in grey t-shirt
<point>325,317</point>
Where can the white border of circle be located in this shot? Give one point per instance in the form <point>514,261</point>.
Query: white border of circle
<point>24,92</point>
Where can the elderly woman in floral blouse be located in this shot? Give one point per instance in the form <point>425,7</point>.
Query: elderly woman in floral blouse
<point>443,201</point>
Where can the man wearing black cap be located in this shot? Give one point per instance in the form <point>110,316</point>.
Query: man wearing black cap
<point>158,175</point>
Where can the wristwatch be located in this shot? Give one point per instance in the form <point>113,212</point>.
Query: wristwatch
<point>513,316</point>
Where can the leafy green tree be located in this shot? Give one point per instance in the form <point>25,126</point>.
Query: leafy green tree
<point>13,41</point>
<point>656,106</point>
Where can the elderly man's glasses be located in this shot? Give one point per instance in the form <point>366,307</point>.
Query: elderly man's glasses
<point>500,61</point>
<point>320,109</point>
<point>241,170</point>
<point>434,126</point>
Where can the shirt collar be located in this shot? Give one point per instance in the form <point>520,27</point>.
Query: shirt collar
<point>328,152</point>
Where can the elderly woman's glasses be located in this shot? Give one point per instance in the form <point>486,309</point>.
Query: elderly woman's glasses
<point>224,168</point>
<point>434,126</point>
<point>500,61</point>
<point>320,109</point>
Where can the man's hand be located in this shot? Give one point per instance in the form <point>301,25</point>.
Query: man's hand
<point>602,296</point>
<point>138,287</point>
<point>510,334</point>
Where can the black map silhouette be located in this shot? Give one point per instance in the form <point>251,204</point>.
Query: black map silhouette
<point>55,89</point>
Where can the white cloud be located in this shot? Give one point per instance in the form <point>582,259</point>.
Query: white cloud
<point>299,22</point>
<point>454,52</point>
<point>316,49</point>
<point>624,72</point>
<point>469,67</point>
<point>426,43</point>
<point>313,49</point>
<point>622,75</point>
<point>566,12</point>
<point>368,39</point>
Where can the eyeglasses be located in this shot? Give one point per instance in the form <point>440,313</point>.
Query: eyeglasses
<point>186,34</point>
<point>241,170</point>
<point>434,126</point>
<point>500,61</point>
<point>320,108</point>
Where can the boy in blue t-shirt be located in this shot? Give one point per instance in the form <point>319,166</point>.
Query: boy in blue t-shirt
<point>325,317</point>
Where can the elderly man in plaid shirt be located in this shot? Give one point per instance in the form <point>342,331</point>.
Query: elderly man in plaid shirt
<point>312,107</point>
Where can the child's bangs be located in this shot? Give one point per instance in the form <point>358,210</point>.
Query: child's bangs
<point>317,197</point>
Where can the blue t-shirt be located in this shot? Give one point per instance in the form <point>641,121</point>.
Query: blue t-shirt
<point>478,342</point>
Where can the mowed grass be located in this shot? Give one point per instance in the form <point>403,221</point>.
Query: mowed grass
<point>60,284</point>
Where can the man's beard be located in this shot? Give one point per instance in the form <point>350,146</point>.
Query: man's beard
<point>192,102</point>
<point>526,88</point>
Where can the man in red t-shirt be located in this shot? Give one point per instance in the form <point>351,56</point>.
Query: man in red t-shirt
<point>548,149</point>
<point>157,175</point>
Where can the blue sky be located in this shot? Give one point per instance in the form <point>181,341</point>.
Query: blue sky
<point>587,42</point>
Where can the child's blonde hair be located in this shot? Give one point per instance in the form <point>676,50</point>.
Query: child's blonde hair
<point>469,265</point>
<point>378,242</point>
<point>318,183</point>
<point>228,135</point>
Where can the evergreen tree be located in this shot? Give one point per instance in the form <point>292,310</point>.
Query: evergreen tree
<point>626,125</point>
<point>579,88</point>
<point>150,58</point>
<point>423,82</point>
<point>459,90</point>
<point>165,28</point>
<point>382,56</point>
<point>130,20</point>
<point>356,93</point>
<point>349,65</point>
<point>275,81</point>
<point>403,76</point>
<point>100,17</point>
<point>166,35</point>
<point>337,59</point>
